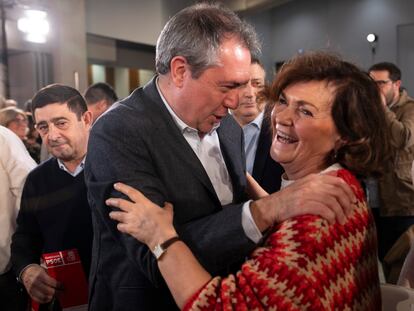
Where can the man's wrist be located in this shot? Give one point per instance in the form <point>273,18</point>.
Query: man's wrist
<point>161,237</point>
<point>261,211</point>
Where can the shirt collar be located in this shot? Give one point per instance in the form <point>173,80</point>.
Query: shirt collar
<point>258,121</point>
<point>78,169</point>
<point>180,123</point>
<point>333,167</point>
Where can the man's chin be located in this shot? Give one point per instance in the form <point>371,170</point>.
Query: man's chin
<point>208,128</point>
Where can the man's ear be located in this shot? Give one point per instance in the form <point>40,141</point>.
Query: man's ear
<point>179,69</point>
<point>87,118</point>
<point>398,84</point>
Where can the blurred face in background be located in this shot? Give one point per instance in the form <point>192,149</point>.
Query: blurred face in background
<point>389,89</point>
<point>19,126</point>
<point>249,108</point>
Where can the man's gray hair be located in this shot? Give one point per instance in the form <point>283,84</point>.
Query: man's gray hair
<point>196,33</point>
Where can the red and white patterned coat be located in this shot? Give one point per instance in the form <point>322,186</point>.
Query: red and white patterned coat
<point>305,264</point>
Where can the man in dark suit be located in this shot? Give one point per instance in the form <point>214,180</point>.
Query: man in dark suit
<point>54,213</point>
<point>174,140</point>
<point>253,115</point>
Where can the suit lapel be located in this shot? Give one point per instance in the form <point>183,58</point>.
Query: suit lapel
<point>232,154</point>
<point>172,138</point>
<point>263,147</point>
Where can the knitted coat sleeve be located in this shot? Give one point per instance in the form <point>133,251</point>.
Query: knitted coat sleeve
<point>305,264</point>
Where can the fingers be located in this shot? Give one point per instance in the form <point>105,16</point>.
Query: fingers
<point>319,209</point>
<point>40,286</point>
<point>168,207</point>
<point>137,198</point>
<point>324,195</point>
<point>122,204</point>
<point>342,192</point>
<point>42,294</point>
<point>118,216</point>
<point>132,193</point>
<point>47,280</point>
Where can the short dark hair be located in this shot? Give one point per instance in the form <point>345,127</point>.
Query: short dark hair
<point>357,110</point>
<point>100,91</point>
<point>257,61</point>
<point>62,94</point>
<point>393,71</point>
<point>196,33</point>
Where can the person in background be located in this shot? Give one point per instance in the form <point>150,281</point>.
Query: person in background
<point>175,140</point>
<point>327,119</point>
<point>4,103</point>
<point>21,123</point>
<point>99,97</point>
<point>396,189</point>
<point>15,120</point>
<point>15,164</point>
<point>251,116</point>
<point>54,214</point>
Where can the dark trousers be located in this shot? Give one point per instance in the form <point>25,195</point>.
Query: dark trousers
<point>389,229</point>
<point>13,296</point>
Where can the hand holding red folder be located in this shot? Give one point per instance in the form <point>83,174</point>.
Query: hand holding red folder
<point>66,268</point>
<point>40,286</point>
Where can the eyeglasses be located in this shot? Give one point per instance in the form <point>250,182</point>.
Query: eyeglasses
<point>382,82</point>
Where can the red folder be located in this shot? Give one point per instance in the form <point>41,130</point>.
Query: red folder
<point>65,267</point>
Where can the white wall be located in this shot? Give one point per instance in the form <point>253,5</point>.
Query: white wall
<point>131,20</point>
<point>68,40</point>
<point>136,21</point>
<point>122,82</point>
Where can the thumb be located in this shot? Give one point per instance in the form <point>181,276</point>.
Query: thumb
<point>168,207</point>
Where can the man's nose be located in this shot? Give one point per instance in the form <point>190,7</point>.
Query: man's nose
<point>248,91</point>
<point>232,99</point>
<point>53,132</point>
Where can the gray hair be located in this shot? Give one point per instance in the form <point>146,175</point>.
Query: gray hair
<point>196,33</point>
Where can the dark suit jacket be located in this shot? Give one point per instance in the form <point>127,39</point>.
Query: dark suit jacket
<point>266,171</point>
<point>138,143</point>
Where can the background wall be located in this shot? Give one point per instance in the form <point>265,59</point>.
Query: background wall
<point>136,21</point>
<point>89,31</point>
<point>132,20</point>
<point>338,25</point>
<point>298,25</point>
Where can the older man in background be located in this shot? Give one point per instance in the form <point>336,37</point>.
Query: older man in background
<point>54,214</point>
<point>253,115</point>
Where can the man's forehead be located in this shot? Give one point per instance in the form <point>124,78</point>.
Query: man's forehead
<point>52,110</point>
<point>379,74</point>
<point>256,71</point>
